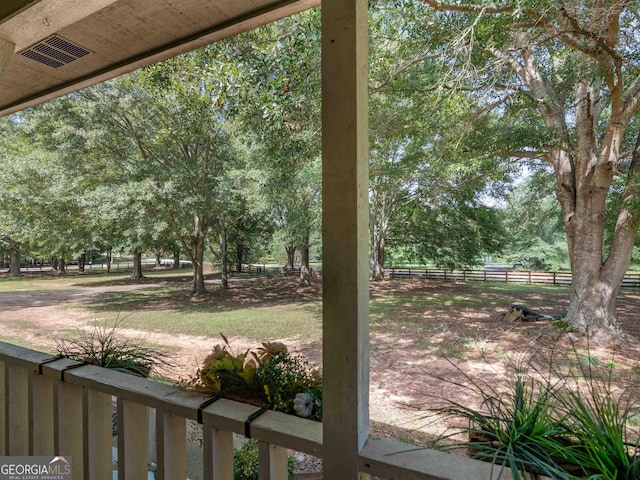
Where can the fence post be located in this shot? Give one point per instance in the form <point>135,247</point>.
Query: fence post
<point>506,276</point>
<point>445,274</point>
<point>464,275</point>
<point>485,274</point>
<point>554,278</point>
<point>529,277</point>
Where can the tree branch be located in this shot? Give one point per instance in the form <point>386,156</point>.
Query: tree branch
<point>469,8</point>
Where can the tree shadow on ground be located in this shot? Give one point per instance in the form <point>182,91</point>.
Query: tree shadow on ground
<point>244,292</point>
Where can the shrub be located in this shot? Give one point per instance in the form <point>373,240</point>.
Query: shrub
<point>246,462</point>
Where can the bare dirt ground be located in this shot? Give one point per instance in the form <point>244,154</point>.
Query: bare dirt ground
<point>418,354</point>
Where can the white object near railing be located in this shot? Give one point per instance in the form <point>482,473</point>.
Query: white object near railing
<point>42,414</point>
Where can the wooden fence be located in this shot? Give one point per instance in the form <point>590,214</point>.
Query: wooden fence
<point>488,275</point>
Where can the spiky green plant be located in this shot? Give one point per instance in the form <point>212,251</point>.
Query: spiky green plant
<point>566,421</point>
<point>105,346</point>
<point>516,429</point>
<point>599,417</point>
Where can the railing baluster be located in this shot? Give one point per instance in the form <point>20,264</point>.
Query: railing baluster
<point>133,424</point>
<point>68,425</point>
<point>152,445</point>
<point>3,405</point>
<point>218,454</point>
<point>41,416</point>
<point>172,446</point>
<point>273,462</point>
<point>16,410</point>
<point>98,435</point>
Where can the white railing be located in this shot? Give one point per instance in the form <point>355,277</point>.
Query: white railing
<point>63,407</point>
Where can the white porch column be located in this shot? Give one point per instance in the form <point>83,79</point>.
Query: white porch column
<point>345,267</point>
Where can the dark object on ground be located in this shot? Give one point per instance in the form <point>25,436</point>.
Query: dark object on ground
<point>520,313</point>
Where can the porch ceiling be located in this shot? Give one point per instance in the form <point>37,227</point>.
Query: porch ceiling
<point>114,36</point>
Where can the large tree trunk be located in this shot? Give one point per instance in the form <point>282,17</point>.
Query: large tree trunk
<point>596,280</point>
<point>584,166</point>
<point>62,266</point>
<point>137,265</point>
<point>305,271</point>
<point>158,253</point>
<point>197,242</point>
<point>381,204</point>
<point>82,261</point>
<point>291,257</point>
<point>376,259</point>
<point>14,261</point>
<point>109,258</point>
<point>224,266</point>
<point>194,250</point>
<point>239,256</point>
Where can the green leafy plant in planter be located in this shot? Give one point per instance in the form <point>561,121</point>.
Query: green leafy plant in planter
<point>233,374</point>
<point>291,386</point>
<point>515,429</point>
<point>246,462</point>
<point>268,375</point>
<point>600,419</point>
<point>558,422</point>
<point>104,346</point>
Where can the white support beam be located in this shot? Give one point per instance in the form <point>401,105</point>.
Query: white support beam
<point>345,235</point>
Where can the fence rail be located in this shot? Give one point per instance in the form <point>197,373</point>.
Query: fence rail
<point>506,276</point>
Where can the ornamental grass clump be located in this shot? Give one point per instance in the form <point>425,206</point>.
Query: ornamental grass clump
<point>269,375</point>
<point>604,422</point>
<point>565,423</point>
<point>515,428</point>
<point>106,347</point>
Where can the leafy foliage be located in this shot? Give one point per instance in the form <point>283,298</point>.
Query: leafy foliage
<point>246,462</point>
<point>269,374</point>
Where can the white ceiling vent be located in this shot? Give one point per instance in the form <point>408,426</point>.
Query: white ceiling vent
<point>55,52</point>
